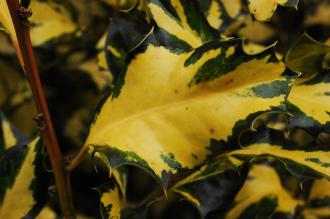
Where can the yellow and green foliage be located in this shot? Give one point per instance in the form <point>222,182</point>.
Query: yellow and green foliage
<point>193,92</point>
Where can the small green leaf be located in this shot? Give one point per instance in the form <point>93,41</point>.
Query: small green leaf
<point>306,55</point>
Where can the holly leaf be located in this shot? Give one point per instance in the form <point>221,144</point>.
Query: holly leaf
<point>170,101</point>
<point>318,202</point>
<point>221,14</point>
<point>24,182</point>
<point>49,21</point>
<point>306,162</point>
<point>5,20</point>
<point>308,102</point>
<point>214,186</point>
<point>9,135</point>
<point>113,204</point>
<point>306,55</point>
<point>263,10</point>
<point>263,196</point>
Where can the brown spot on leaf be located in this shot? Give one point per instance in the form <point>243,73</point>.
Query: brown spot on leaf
<point>229,81</point>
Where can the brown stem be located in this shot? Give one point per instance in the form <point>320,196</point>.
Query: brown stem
<point>62,177</point>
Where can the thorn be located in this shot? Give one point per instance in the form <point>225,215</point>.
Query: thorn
<point>67,160</point>
<point>41,122</point>
<point>52,190</point>
<point>24,14</point>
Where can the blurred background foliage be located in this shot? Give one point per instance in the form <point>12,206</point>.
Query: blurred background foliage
<point>69,37</point>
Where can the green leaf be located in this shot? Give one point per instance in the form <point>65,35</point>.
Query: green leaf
<point>24,182</point>
<point>306,55</point>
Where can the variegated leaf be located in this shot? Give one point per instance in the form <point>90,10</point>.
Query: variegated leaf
<point>158,120</point>
<point>263,10</point>
<point>310,162</point>
<point>186,74</point>
<point>214,185</point>
<point>101,57</point>
<point>309,100</point>
<point>24,184</point>
<point>302,162</point>
<point>9,135</point>
<point>101,77</point>
<point>318,16</point>
<point>122,4</point>
<point>221,13</point>
<point>318,203</point>
<point>180,21</point>
<point>48,213</point>
<point>16,98</point>
<point>113,204</point>
<point>178,25</point>
<point>5,20</point>
<point>263,196</point>
<point>111,201</point>
<point>50,20</point>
